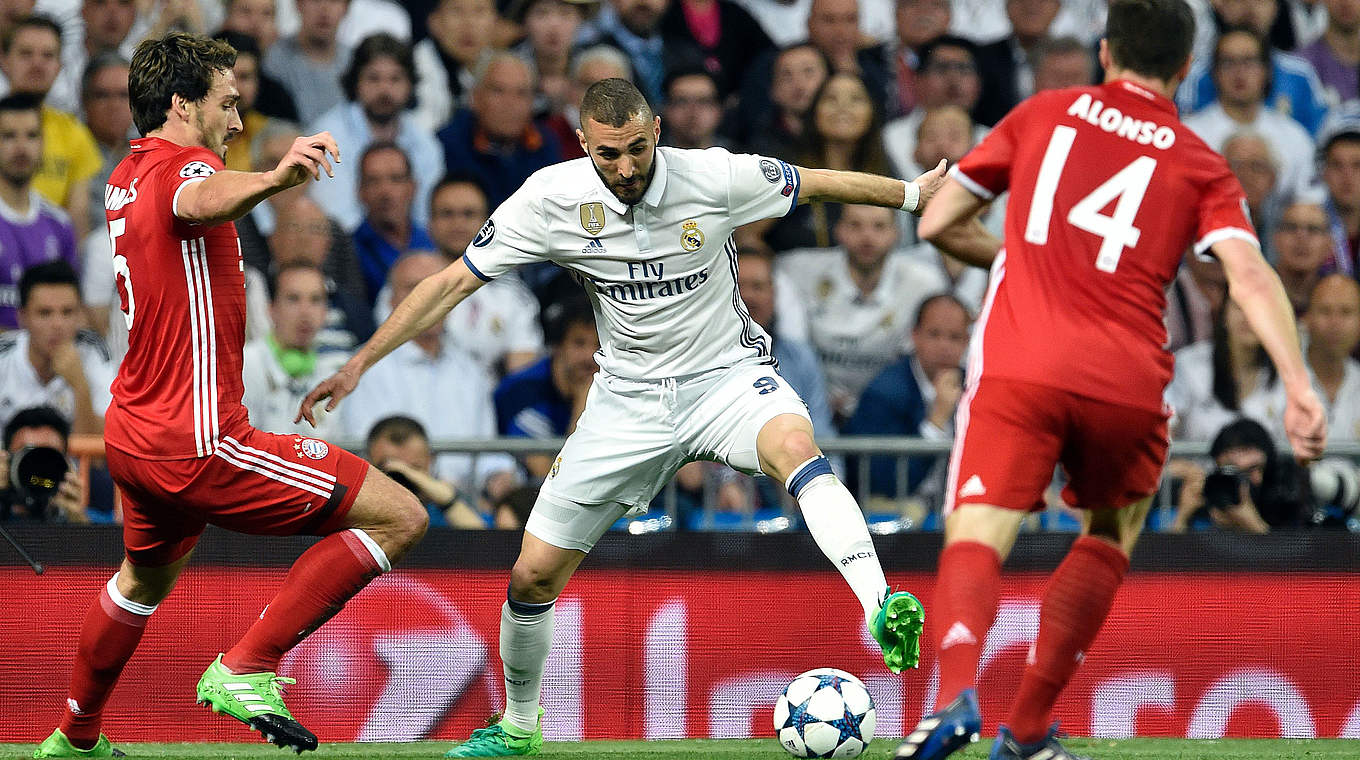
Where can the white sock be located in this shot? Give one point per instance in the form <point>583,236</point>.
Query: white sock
<point>526,637</point>
<point>837,525</point>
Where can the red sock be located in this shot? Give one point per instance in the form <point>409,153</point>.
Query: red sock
<point>966,593</point>
<point>317,587</point>
<point>1075,605</point>
<point>107,640</point>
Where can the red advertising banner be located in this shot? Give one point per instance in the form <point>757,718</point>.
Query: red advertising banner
<point>696,653</point>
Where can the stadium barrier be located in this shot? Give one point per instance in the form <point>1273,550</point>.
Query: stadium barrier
<point>693,635</point>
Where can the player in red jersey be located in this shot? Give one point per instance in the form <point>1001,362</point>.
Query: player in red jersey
<point>1107,190</point>
<point>178,442</point>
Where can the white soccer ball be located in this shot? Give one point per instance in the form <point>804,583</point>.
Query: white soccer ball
<point>824,713</point>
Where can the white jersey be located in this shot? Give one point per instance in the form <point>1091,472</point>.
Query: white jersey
<point>661,274</point>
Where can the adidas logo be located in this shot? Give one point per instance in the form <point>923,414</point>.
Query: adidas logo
<point>972,487</point>
<point>957,634</point>
<point>594,247</point>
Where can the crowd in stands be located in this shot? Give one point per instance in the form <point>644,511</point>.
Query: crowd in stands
<point>442,108</point>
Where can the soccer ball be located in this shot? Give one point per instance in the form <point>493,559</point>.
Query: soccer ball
<point>824,713</point>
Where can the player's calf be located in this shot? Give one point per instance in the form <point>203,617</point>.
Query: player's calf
<point>388,514</point>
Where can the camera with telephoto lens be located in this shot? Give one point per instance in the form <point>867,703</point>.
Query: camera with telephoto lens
<point>1223,487</point>
<point>35,474</point>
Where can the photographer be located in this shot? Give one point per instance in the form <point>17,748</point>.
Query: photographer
<point>33,457</point>
<point>399,447</point>
<point>1250,489</point>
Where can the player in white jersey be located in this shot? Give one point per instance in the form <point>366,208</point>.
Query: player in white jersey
<point>685,373</point>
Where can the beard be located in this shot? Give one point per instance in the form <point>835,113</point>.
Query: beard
<point>633,192</point>
<point>212,141</point>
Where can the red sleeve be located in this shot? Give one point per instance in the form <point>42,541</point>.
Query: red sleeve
<point>187,166</point>
<point>1223,212</point>
<point>986,170</point>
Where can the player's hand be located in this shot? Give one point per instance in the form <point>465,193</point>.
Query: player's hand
<point>307,158</point>
<point>1305,424</point>
<point>67,364</point>
<point>335,387</point>
<point>930,184</point>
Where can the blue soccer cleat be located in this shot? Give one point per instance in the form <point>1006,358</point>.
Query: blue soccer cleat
<point>1007,748</point>
<point>941,734</point>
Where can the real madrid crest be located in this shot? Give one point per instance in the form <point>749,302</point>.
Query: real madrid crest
<point>592,217</point>
<point>691,237</point>
<point>556,465</point>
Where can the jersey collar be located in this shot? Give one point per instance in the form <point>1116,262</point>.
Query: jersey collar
<point>1137,90</point>
<point>654,191</point>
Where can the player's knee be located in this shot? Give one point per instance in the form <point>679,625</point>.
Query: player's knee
<point>798,447</point>
<point>410,520</point>
<point>533,584</point>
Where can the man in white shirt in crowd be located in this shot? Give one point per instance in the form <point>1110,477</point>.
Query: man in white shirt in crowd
<point>437,384</point>
<point>281,367</point>
<point>860,300</point>
<point>50,361</point>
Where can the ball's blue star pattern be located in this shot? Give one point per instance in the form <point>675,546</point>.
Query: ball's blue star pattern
<point>848,725</point>
<point>798,716</point>
<point>831,681</point>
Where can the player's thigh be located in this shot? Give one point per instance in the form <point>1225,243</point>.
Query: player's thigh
<point>388,513</point>
<point>622,451</point>
<point>1007,440</point>
<point>1114,456</point>
<point>724,419</point>
<point>157,530</point>
<point>1120,526</point>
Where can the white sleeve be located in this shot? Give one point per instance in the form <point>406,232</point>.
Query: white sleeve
<point>515,234</point>
<point>760,188</point>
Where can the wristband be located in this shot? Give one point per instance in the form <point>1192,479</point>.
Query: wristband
<point>912,201</point>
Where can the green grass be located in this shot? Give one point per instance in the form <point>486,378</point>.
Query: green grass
<point>710,749</point>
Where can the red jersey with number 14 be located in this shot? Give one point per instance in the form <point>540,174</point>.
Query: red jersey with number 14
<point>181,288</point>
<point>1107,191</point>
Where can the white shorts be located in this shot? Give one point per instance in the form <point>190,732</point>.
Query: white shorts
<point>634,435</point>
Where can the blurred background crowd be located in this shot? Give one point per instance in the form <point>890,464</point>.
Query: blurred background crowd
<point>443,107</point>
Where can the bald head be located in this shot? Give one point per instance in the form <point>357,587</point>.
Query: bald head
<point>409,270</point>
<point>302,234</point>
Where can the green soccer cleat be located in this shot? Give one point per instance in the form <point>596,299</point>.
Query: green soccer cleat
<point>896,626</point>
<point>254,699</point>
<point>57,745</point>
<point>500,739</point>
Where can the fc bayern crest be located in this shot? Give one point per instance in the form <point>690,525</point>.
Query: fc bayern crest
<point>312,448</point>
<point>691,237</point>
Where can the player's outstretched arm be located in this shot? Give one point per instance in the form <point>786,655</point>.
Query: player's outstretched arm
<point>870,189</point>
<point>228,195</point>
<point>951,224</point>
<point>1253,285</point>
<point>426,306</point>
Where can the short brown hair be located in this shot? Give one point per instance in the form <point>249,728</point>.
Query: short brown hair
<point>175,64</point>
<point>1150,37</point>
<point>613,103</point>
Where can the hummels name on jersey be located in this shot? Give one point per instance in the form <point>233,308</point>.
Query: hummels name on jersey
<point>1110,119</point>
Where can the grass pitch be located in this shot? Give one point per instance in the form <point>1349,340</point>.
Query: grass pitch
<point>758,749</point>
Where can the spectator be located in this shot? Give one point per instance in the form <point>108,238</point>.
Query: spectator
<point>257,19</point>
<point>50,361</point>
<point>588,66</point>
<point>1062,62</point>
<point>398,446</point>
<point>550,28</point>
<point>833,27</point>
<point>1254,162</point>
<point>32,230</point>
<point>104,26</point>
<point>917,23</point>
<point>693,111</point>
<point>786,22</point>
<point>985,20</point>
<point>860,300</point>
<point>498,324</point>
<point>1007,66</point>
<point>495,139</point>
<point>379,86</point>
<point>545,399</point>
<point>461,37</point>
<point>634,27</point>
<point>842,131</point>
<point>310,63</point>
<point>30,59</point>
<point>246,72</point>
<point>948,77</point>
<point>442,387</point>
<point>1193,301</point>
<point>943,133</point>
<point>1241,65</point>
<point>512,512</point>
<point>1218,380</point>
<point>1252,490</point>
<point>717,36</point>
<point>279,369</point>
<point>916,396</point>
<point>387,193</point>
<point>1335,56</point>
<point>1301,247</point>
<point>798,363</point>
<point>1341,175</point>
<point>1333,323</point>
<point>104,92</point>
<point>798,72</point>
<point>1294,89</point>
<point>362,18</point>
<point>42,426</point>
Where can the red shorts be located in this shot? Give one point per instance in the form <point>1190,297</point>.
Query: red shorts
<point>256,482</point>
<point>1011,435</point>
